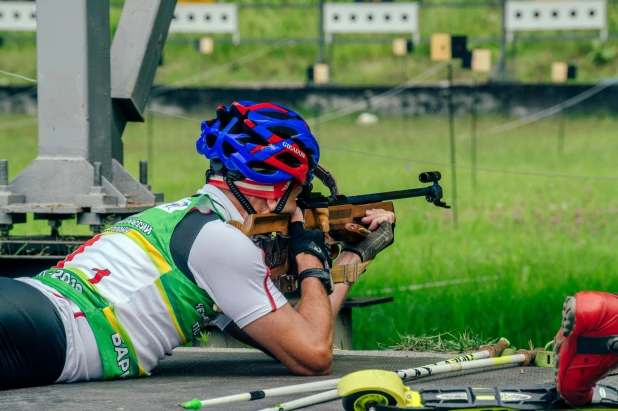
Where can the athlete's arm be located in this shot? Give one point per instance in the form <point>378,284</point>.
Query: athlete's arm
<point>373,220</point>
<point>311,307</point>
<point>301,338</point>
<point>231,269</point>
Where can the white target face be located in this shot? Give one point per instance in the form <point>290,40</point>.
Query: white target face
<point>17,16</point>
<point>370,18</point>
<point>205,18</point>
<point>555,15</point>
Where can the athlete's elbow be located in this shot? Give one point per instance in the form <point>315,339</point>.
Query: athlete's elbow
<point>318,362</point>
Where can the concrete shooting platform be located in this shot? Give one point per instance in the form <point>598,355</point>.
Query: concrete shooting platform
<point>213,372</point>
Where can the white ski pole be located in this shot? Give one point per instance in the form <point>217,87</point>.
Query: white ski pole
<point>486,351</point>
<point>523,356</point>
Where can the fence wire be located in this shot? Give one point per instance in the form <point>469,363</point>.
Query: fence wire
<point>500,129</point>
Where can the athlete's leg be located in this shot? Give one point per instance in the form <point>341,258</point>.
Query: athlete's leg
<point>32,337</point>
<point>586,346</point>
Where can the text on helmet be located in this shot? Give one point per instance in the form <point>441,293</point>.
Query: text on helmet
<point>294,149</point>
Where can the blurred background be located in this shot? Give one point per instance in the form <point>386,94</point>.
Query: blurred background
<point>515,102</point>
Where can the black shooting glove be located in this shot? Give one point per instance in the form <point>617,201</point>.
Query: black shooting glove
<point>310,242</point>
<point>378,240</point>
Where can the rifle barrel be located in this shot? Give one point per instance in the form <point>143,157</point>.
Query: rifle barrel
<point>390,195</point>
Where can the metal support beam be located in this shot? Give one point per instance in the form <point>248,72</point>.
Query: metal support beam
<point>136,50</point>
<point>74,104</point>
<point>74,81</point>
<point>75,172</point>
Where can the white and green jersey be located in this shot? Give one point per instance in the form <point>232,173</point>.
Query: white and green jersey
<point>151,282</point>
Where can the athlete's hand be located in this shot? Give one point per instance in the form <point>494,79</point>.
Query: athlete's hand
<point>381,223</point>
<point>308,246</point>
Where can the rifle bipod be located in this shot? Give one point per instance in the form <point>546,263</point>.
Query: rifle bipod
<point>378,390</point>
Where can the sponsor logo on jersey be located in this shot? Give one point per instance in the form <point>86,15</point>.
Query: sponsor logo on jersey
<point>293,149</point>
<point>201,309</point>
<point>121,230</point>
<point>122,355</point>
<point>175,206</point>
<point>140,225</point>
<point>64,276</point>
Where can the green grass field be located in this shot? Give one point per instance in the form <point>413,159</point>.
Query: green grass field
<point>351,64</point>
<point>536,239</point>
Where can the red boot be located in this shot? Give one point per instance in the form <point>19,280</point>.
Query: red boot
<point>586,347</point>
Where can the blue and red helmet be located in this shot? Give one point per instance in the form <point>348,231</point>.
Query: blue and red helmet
<point>264,142</point>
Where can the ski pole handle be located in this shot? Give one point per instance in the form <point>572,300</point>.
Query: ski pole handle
<point>529,354</point>
<point>496,349</point>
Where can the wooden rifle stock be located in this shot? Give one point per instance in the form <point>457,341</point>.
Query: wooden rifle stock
<point>338,216</point>
<point>340,223</point>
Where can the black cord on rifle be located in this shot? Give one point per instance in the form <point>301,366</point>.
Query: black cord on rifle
<point>327,178</point>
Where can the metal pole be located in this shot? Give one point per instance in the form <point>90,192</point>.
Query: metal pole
<point>473,114</point>
<point>451,118</point>
<point>402,98</point>
<point>514,56</point>
<point>150,143</point>
<point>4,173</point>
<point>320,35</point>
<point>561,126</point>
<point>316,114</point>
<point>502,61</point>
<point>143,172</point>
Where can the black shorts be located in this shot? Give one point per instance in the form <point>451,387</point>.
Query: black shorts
<point>32,339</point>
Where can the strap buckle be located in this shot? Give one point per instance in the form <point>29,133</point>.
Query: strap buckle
<point>354,273</point>
<point>287,283</point>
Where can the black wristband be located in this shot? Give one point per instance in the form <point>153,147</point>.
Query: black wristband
<point>309,242</point>
<point>323,274</point>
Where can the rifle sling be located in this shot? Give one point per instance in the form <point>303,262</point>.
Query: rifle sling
<point>346,274</point>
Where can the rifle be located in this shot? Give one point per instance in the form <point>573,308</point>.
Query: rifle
<point>337,215</point>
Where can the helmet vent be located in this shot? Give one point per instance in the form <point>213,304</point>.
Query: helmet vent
<point>307,150</point>
<point>289,160</point>
<point>228,149</point>
<point>253,137</point>
<point>283,131</point>
<point>276,114</point>
<point>236,128</point>
<point>224,118</point>
<point>261,167</point>
<point>211,139</point>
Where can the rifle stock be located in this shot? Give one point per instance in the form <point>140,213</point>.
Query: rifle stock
<point>339,217</point>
